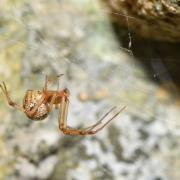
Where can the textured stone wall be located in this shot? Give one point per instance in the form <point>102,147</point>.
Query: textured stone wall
<point>154,19</point>
<point>75,38</point>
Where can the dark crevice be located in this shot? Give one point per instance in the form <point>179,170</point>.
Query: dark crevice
<point>161,60</point>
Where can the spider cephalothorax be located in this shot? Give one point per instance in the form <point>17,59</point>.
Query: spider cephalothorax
<point>37,104</point>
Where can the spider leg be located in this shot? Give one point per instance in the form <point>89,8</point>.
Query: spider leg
<point>52,102</point>
<point>100,121</point>
<point>48,81</point>
<point>10,102</point>
<point>63,110</point>
<point>107,122</point>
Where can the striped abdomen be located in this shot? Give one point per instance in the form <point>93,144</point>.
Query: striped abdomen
<point>32,97</point>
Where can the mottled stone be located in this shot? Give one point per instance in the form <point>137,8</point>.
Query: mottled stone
<point>75,38</point>
<point>158,20</point>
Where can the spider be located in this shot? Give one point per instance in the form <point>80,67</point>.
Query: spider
<point>37,104</point>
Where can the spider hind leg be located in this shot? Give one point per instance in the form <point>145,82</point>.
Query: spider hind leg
<point>85,131</point>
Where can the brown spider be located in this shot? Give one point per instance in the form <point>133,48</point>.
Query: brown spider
<point>37,104</point>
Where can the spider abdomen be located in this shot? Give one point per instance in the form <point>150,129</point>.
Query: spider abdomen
<point>32,97</point>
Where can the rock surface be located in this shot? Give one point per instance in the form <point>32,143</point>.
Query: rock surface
<point>75,38</point>
<point>153,19</point>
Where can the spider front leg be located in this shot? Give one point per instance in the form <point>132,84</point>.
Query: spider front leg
<point>48,81</point>
<point>10,102</point>
<point>86,131</point>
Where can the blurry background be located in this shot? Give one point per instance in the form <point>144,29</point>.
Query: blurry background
<point>76,37</point>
